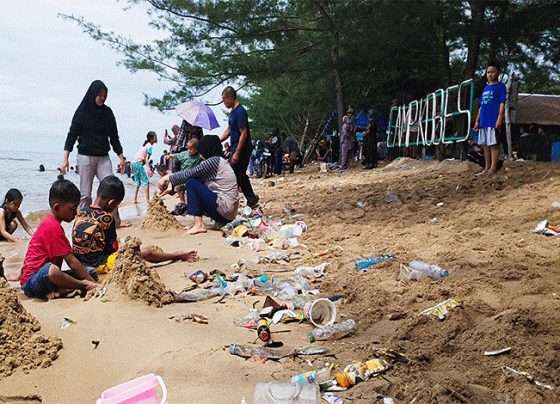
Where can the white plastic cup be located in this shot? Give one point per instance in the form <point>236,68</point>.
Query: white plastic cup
<point>320,312</point>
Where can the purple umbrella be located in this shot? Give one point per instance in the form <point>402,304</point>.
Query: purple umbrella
<point>197,114</point>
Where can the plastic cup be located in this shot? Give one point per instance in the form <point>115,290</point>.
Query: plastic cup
<point>320,312</point>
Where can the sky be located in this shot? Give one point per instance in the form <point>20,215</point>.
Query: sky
<point>47,64</point>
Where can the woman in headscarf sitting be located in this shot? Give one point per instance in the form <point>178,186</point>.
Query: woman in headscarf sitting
<point>94,127</point>
<point>211,187</point>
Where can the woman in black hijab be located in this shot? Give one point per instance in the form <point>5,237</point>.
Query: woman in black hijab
<point>211,187</point>
<point>94,126</point>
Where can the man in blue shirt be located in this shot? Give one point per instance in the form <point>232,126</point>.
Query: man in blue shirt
<point>240,143</point>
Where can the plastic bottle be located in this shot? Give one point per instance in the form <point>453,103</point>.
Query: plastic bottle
<point>315,376</point>
<point>263,283</point>
<point>362,263</point>
<point>221,281</point>
<point>286,393</point>
<point>334,331</point>
<point>433,271</point>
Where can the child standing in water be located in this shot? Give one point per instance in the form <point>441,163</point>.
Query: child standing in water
<point>142,158</point>
<point>9,211</point>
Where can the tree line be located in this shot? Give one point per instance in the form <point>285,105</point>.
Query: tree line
<point>297,61</point>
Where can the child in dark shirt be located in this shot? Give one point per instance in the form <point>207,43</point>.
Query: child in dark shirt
<point>94,237</point>
<point>41,275</point>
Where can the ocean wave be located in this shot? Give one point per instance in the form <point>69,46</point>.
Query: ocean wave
<point>14,159</point>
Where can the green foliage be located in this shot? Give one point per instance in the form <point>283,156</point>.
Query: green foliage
<point>287,55</point>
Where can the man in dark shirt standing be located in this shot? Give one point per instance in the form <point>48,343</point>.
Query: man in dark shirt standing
<point>240,143</point>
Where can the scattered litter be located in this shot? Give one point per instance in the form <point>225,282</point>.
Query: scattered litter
<point>440,310</point>
<point>277,392</point>
<point>331,398</point>
<point>494,353</point>
<point>361,204</point>
<point>141,389</point>
<point>333,331</point>
<point>434,220</point>
<point>387,400</point>
<point>67,322</point>
<point>409,273</point>
<point>545,228</point>
<point>321,313</point>
<point>95,344</point>
<point>440,204</point>
<point>556,204</point>
<point>198,277</point>
<point>197,318</point>
<point>274,354</point>
<point>398,316</point>
<point>390,197</point>
<point>507,369</point>
<point>363,263</point>
<point>316,272</point>
<point>361,371</point>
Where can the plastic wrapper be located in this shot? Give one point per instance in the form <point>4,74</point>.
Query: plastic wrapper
<point>440,310</point>
<point>309,272</point>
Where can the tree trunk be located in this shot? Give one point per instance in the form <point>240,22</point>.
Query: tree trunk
<point>443,50</point>
<point>339,96</point>
<point>474,37</point>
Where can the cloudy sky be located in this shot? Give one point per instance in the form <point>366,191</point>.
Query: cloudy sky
<point>47,64</point>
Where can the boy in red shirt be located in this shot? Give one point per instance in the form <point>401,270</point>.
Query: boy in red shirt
<point>41,276</point>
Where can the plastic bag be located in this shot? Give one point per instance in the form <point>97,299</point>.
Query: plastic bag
<point>317,271</point>
<point>410,273</point>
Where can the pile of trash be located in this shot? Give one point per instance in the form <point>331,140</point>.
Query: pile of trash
<point>259,232</point>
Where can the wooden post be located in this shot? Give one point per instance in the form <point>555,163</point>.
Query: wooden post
<point>509,103</point>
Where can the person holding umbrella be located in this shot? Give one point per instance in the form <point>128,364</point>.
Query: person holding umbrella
<point>240,143</point>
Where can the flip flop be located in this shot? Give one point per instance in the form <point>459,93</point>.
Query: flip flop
<point>124,224</point>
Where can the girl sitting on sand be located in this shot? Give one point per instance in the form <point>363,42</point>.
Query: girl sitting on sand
<point>9,211</point>
<point>142,158</point>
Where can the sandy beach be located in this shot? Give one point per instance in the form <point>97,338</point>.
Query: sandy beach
<point>478,228</point>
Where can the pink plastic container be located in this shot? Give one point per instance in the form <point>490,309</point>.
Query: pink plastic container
<point>138,391</point>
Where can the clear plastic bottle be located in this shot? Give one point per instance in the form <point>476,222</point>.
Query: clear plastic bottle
<point>362,263</point>
<point>315,376</point>
<point>433,271</point>
<point>334,331</point>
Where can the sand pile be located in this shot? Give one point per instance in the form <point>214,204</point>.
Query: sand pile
<point>21,346</point>
<point>131,276</point>
<point>158,218</point>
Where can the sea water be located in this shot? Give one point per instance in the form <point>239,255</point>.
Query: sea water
<point>19,169</point>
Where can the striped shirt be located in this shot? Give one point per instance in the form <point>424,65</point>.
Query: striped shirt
<point>218,176</point>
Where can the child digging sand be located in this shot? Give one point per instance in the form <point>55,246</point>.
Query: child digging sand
<point>41,276</point>
<point>94,237</point>
<point>9,212</point>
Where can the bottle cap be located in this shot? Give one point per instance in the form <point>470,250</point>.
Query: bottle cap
<point>443,273</point>
<point>263,278</point>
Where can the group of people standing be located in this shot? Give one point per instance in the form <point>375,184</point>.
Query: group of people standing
<point>341,149</point>
<point>211,186</point>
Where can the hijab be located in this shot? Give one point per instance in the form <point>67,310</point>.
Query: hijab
<point>210,146</point>
<point>92,117</point>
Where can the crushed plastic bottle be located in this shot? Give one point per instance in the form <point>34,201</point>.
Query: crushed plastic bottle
<point>362,263</point>
<point>334,331</point>
<point>433,271</point>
